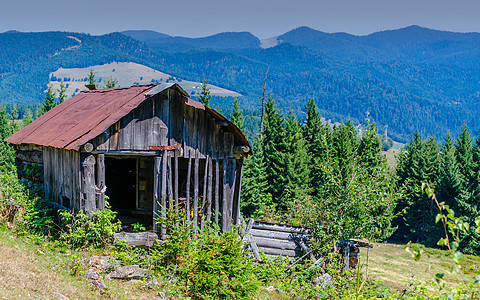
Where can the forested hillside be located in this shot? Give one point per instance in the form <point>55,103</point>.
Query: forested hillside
<point>409,79</point>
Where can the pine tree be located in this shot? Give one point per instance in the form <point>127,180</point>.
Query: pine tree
<point>62,92</point>
<point>7,154</point>
<point>28,117</point>
<point>254,181</point>
<point>274,147</point>
<point>49,102</point>
<point>418,165</point>
<point>237,115</point>
<point>91,77</point>
<point>317,135</point>
<point>296,159</point>
<point>111,83</point>
<point>205,94</point>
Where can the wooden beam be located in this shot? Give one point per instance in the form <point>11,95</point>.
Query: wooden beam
<point>209,188</point>
<point>163,202</point>
<point>225,198</point>
<point>157,193</point>
<point>100,184</point>
<point>169,181</point>
<point>204,196</point>
<point>88,183</point>
<point>217,190</point>
<point>195,189</point>
<point>175,188</point>
<point>189,178</point>
<point>172,147</point>
<point>237,191</point>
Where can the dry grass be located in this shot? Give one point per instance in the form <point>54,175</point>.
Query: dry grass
<point>30,271</point>
<point>396,267</point>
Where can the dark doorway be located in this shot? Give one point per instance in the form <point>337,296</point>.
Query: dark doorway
<point>120,178</point>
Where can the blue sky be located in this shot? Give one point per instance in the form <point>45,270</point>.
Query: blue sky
<point>263,18</point>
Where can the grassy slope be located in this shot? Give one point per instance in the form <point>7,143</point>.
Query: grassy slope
<point>30,270</point>
<point>397,269</point>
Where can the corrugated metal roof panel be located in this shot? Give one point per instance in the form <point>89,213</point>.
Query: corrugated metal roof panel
<point>76,121</point>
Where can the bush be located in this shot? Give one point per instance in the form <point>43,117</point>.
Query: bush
<point>95,230</point>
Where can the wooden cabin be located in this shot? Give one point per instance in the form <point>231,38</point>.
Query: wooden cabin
<point>147,147</point>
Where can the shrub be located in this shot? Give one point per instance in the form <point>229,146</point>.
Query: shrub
<point>95,230</point>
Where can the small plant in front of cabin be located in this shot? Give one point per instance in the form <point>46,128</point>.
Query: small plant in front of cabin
<point>95,230</point>
<point>138,227</point>
<point>32,170</point>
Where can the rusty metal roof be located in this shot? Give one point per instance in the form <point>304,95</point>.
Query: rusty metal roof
<point>76,121</point>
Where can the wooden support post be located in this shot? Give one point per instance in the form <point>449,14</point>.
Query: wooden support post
<point>88,183</point>
<point>225,209</point>
<point>204,196</point>
<point>189,178</point>
<point>195,189</point>
<point>238,189</point>
<point>101,181</point>
<point>157,193</point>
<point>217,190</point>
<point>209,188</point>
<point>163,201</point>
<point>176,181</point>
<point>169,181</point>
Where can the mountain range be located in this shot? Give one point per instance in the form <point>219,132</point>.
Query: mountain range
<point>410,79</point>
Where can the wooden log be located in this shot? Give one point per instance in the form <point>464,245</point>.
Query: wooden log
<point>169,181</point>
<point>204,196</point>
<point>217,190</point>
<point>238,190</point>
<point>279,252</point>
<point>225,197</point>
<point>175,188</point>
<point>189,174</point>
<point>100,181</point>
<point>157,193</point>
<point>305,249</point>
<point>279,235</point>
<point>163,201</point>
<point>209,188</point>
<point>273,243</point>
<point>30,156</point>
<point>88,183</point>
<point>284,228</point>
<point>144,239</point>
<point>195,189</point>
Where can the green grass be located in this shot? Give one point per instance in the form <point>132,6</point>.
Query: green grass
<point>393,265</point>
<point>31,268</point>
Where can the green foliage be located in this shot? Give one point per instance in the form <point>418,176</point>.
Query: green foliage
<point>91,77</point>
<point>7,154</point>
<point>50,101</point>
<point>95,230</point>
<point>138,227</point>
<point>211,265</point>
<point>62,93</point>
<point>205,94</point>
<point>27,118</point>
<point>237,115</point>
<point>111,83</point>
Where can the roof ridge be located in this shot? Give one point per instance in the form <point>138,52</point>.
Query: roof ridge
<point>121,88</point>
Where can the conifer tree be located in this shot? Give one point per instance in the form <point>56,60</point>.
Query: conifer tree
<point>254,181</point>
<point>317,135</point>
<point>28,117</point>
<point>237,115</point>
<point>417,166</point>
<point>7,154</point>
<point>296,159</point>
<point>91,77</point>
<point>205,94</point>
<point>274,147</point>
<point>111,83</point>
<point>49,102</point>
<point>62,92</point>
